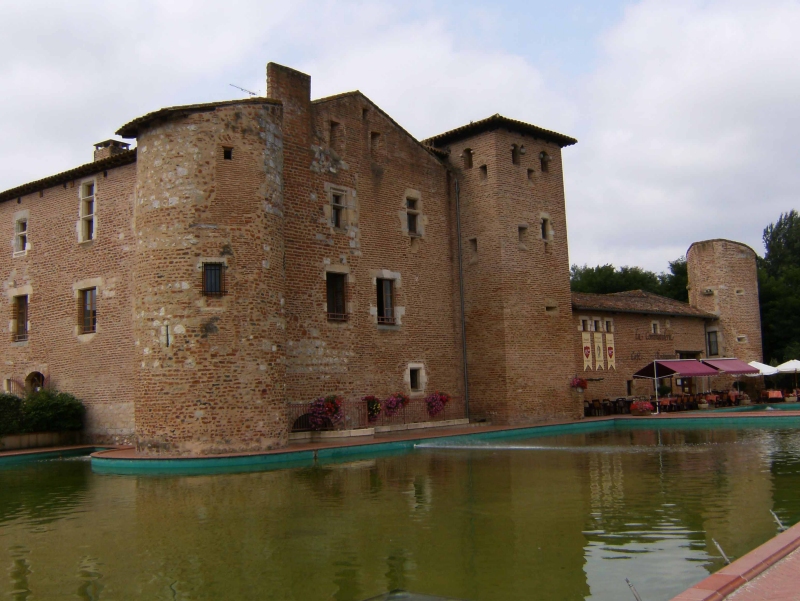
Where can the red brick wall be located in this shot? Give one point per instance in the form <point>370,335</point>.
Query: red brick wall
<point>360,357</point>
<point>97,368</point>
<point>519,365</point>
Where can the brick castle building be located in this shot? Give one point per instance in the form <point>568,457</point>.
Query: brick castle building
<point>252,254</point>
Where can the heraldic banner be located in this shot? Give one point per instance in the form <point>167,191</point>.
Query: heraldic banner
<point>599,354</point>
<point>587,351</point>
<point>612,362</point>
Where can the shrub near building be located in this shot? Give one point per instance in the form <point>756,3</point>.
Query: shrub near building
<point>41,411</point>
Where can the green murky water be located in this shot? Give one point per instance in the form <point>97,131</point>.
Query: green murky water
<point>555,518</point>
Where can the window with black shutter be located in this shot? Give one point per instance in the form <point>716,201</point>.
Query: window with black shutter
<point>335,283</point>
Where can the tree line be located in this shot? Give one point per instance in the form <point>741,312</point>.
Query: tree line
<point>778,285</point>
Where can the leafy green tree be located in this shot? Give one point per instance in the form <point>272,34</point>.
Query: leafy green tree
<point>779,288</point>
<point>606,279</point>
<point>675,283</point>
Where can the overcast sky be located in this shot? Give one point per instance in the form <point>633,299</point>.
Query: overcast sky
<point>686,111</point>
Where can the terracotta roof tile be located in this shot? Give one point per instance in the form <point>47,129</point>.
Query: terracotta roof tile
<point>636,301</point>
<point>495,122</point>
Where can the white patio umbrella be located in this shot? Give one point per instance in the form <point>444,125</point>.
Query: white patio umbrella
<point>790,367</point>
<point>763,369</point>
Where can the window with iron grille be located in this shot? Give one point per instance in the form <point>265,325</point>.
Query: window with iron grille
<point>19,317</point>
<point>386,302</point>
<point>214,279</point>
<point>335,283</point>
<point>87,311</point>
<point>413,216</point>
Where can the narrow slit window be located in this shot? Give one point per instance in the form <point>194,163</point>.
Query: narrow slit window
<point>214,279</point>
<point>544,160</point>
<point>375,142</point>
<point>87,210</point>
<point>87,318</point>
<point>545,228</point>
<point>337,209</point>
<point>522,234</point>
<point>484,172</point>
<point>473,245</point>
<point>467,156</point>
<point>227,153</point>
<point>713,344</point>
<point>412,215</point>
<point>514,154</point>
<point>531,174</point>
<point>21,233</point>
<point>386,313</point>
<point>19,318</point>
<point>414,374</point>
<point>654,327</point>
<point>335,284</point>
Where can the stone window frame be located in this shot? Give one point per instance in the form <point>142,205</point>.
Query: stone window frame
<point>348,214</point>
<point>606,322</point>
<point>348,282</point>
<point>597,320</point>
<point>655,327</point>
<point>418,210</point>
<point>77,292</point>
<point>423,379</point>
<point>584,323</point>
<point>85,218</point>
<point>21,217</point>
<point>398,309</point>
<point>546,231</point>
<point>12,295</point>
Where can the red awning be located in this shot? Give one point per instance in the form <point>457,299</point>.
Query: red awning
<point>731,366</point>
<point>683,368</point>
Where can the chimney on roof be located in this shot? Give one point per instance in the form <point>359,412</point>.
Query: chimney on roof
<point>103,150</point>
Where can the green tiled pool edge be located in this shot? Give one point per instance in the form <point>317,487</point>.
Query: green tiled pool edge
<point>34,455</point>
<point>308,458</point>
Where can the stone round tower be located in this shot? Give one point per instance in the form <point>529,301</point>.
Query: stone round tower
<point>208,279</point>
<point>723,281</point>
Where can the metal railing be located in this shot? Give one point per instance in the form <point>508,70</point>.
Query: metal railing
<point>354,415</point>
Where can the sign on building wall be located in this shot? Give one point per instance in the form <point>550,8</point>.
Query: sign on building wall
<point>612,360</point>
<point>587,351</point>
<point>599,352</point>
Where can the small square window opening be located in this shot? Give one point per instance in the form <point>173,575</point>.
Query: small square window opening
<point>227,154</point>
<point>214,279</point>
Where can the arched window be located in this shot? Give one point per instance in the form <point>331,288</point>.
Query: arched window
<point>515,154</point>
<point>544,159</point>
<point>34,382</point>
<point>467,156</point>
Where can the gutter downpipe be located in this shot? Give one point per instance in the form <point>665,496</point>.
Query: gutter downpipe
<point>461,297</point>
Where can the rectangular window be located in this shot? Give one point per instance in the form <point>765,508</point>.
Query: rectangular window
<point>88,311</point>
<point>522,234</point>
<point>87,212</point>
<point>386,301</point>
<point>21,236</point>
<point>335,283</point>
<point>713,345</point>
<point>545,228</point>
<point>584,325</point>
<point>214,279</point>
<point>629,385</point>
<point>609,326</point>
<point>227,153</point>
<point>337,209</point>
<point>597,326</point>
<point>19,315</point>
<point>413,216</point>
<point>654,327</point>
<point>414,373</point>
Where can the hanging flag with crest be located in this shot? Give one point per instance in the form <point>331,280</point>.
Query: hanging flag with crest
<point>599,351</point>
<point>587,351</point>
<point>610,351</point>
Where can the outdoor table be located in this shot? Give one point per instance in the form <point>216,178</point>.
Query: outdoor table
<point>774,394</point>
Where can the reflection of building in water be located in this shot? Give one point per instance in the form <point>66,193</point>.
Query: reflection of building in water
<point>606,480</point>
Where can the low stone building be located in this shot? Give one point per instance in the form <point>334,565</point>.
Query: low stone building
<point>249,255</point>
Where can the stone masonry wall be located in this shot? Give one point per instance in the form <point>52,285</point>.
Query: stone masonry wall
<point>346,145</point>
<point>97,368</point>
<point>210,370</point>
<point>723,280</point>
<point>518,304</point>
